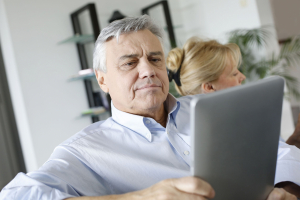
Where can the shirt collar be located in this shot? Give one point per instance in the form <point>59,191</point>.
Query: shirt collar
<point>137,123</point>
<point>172,106</point>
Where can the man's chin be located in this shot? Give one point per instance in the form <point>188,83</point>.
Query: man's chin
<point>149,102</point>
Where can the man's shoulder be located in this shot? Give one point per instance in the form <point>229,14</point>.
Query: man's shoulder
<point>185,101</point>
<point>183,113</point>
<point>90,131</point>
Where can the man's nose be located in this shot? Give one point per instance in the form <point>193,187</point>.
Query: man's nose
<point>146,70</point>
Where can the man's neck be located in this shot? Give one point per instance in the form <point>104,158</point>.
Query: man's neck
<point>159,116</point>
<point>163,118</point>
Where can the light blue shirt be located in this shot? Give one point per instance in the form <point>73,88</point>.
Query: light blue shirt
<point>122,154</point>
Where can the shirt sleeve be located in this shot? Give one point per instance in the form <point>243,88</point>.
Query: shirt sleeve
<point>288,164</point>
<point>64,175</point>
<point>25,187</point>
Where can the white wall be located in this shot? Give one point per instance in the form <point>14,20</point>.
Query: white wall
<point>287,17</point>
<point>214,18</point>
<point>16,91</point>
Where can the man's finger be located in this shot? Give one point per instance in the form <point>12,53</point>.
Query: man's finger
<point>280,194</point>
<point>194,185</point>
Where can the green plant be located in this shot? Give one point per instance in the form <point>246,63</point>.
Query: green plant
<point>253,66</point>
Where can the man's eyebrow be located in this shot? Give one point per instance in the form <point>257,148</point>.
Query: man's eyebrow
<point>155,53</point>
<point>128,56</point>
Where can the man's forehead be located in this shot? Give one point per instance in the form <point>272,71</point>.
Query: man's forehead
<point>132,43</point>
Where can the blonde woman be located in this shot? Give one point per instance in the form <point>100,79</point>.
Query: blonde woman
<point>208,66</point>
<point>205,66</point>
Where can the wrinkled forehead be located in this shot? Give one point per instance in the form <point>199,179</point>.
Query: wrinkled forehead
<point>135,41</point>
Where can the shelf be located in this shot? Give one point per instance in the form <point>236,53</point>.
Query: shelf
<point>83,43</point>
<point>81,39</point>
<point>83,74</point>
<point>94,111</point>
<point>174,27</point>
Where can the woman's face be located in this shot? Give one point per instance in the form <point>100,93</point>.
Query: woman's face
<point>229,78</point>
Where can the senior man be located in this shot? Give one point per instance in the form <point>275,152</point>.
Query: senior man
<point>138,153</point>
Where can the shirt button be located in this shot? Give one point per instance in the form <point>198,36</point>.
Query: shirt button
<point>186,153</point>
<point>148,122</point>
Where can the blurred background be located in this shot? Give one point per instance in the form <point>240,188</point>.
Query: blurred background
<point>48,92</point>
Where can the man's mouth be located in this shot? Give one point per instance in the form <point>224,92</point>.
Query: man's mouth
<point>148,86</point>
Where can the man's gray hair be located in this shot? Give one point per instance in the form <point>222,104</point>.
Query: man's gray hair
<point>115,29</point>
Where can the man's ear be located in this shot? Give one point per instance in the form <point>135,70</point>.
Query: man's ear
<point>101,78</point>
<point>207,87</point>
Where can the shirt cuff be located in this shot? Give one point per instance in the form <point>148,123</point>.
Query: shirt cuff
<point>289,171</point>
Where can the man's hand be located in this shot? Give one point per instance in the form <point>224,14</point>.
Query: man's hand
<point>294,139</point>
<point>176,189</point>
<point>182,188</point>
<point>289,187</point>
<point>281,194</point>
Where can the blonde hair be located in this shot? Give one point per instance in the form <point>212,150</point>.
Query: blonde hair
<point>201,62</point>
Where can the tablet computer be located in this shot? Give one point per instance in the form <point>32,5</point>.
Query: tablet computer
<point>235,135</point>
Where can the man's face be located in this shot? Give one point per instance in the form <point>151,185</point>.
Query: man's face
<point>136,76</point>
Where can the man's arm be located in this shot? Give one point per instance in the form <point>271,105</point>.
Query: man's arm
<point>62,176</point>
<point>175,189</point>
<point>182,189</point>
<point>287,169</point>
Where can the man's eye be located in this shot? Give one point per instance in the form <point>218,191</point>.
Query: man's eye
<point>155,59</point>
<point>129,64</point>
